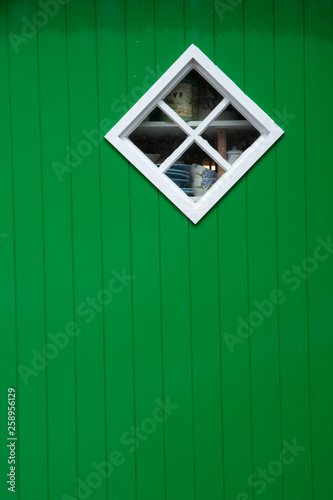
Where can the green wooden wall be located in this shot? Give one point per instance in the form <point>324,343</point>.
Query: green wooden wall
<point>190,317</point>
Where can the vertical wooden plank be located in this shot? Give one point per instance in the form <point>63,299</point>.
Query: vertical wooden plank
<point>291,245</point>
<point>32,394</point>
<point>233,286</point>
<point>199,25</point>
<point>58,254</point>
<point>146,286</point>
<point>206,359</point>
<point>115,205</point>
<point>7,262</point>
<point>179,459</point>
<point>205,309</point>
<point>319,263</point>
<point>90,300</point>
<point>175,304</point>
<point>262,281</point>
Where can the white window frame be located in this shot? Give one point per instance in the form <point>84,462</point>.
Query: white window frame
<point>193,58</point>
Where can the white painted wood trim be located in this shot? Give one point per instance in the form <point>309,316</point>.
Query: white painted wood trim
<point>215,155</point>
<point>175,117</point>
<point>212,115</point>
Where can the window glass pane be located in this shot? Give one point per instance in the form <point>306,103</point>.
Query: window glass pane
<point>195,172</point>
<point>231,134</point>
<point>193,98</point>
<point>157,137</point>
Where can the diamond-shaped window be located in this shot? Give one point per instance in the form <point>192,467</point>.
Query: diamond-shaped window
<point>194,134</point>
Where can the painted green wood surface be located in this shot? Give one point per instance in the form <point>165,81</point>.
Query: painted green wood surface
<point>164,310</point>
